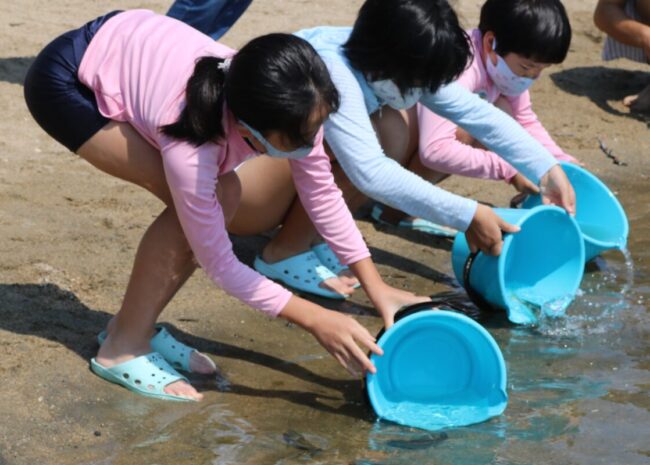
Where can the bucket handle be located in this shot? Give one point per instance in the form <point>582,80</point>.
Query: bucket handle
<point>471,292</point>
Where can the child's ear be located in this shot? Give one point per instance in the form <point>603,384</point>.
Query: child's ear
<point>488,46</point>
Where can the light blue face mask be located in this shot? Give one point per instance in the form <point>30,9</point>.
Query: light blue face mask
<point>273,152</point>
<point>504,79</point>
<point>390,94</point>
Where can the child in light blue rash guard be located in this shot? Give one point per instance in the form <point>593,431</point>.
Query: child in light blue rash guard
<point>399,53</point>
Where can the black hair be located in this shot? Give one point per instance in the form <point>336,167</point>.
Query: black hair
<point>414,43</point>
<point>536,29</point>
<point>273,83</point>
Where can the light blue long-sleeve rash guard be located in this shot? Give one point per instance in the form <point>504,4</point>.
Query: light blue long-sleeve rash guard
<point>351,136</point>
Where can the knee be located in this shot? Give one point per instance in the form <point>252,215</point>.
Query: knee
<point>229,193</point>
<point>393,133</point>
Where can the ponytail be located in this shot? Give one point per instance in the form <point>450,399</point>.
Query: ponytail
<point>200,120</point>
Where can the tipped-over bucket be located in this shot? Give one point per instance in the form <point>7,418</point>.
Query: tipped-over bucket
<point>539,269</point>
<point>440,369</point>
<point>599,214</point>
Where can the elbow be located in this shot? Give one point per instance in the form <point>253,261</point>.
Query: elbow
<point>602,18</point>
<point>367,184</point>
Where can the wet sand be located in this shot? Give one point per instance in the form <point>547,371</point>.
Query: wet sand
<point>68,234</point>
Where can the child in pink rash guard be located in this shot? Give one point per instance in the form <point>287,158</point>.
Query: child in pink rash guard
<point>150,100</point>
<point>515,41</point>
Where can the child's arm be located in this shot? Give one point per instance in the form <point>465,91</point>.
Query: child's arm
<point>323,202</point>
<point>522,112</point>
<point>352,138</point>
<point>501,134</point>
<point>440,150</point>
<point>610,17</point>
<point>493,128</point>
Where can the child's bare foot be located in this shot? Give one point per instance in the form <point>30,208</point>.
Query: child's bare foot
<point>116,350</point>
<point>639,103</point>
<point>348,278</point>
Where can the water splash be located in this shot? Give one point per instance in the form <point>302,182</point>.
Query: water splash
<point>529,307</point>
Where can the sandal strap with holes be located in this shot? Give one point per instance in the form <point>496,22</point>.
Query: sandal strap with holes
<point>147,375</point>
<point>303,272</point>
<point>328,258</point>
<point>174,351</point>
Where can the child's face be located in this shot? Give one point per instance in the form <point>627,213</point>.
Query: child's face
<point>279,140</point>
<point>518,64</point>
<point>524,67</point>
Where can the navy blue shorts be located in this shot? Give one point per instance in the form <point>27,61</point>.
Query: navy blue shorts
<point>64,107</point>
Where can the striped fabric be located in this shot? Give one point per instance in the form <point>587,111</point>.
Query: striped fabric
<point>614,49</point>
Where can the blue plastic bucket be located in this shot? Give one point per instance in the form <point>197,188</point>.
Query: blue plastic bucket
<point>539,269</point>
<point>599,214</point>
<point>439,370</point>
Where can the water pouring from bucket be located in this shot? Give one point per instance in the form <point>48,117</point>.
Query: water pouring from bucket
<point>538,271</point>
<point>599,214</point>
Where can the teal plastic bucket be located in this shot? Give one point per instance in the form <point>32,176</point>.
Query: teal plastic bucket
<point>539,269</point>
<point>439,370</point>
<point>599,214</point>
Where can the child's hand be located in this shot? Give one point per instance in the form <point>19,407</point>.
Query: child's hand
<point>524,185</point>
<point>556,189</point>
<point>388,300</point>
<point>485,232</point>
<point>340,335</point>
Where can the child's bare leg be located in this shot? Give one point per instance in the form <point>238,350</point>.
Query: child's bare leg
<point>267,193</point>
<point>164,260</point>
<point>398,135</point>
<point>269,200</point>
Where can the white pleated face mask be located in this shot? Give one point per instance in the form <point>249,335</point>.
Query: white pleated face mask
<point>271,151</point>
<point>504,79</point>
<point>389,93</point>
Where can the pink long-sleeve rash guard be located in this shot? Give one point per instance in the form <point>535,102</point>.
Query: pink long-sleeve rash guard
<point>138,65</point>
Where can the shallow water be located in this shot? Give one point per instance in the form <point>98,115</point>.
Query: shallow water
<point>434,417</point>
<point>577,385</point>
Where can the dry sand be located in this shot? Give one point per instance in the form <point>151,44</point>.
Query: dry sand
<point>68,234</point>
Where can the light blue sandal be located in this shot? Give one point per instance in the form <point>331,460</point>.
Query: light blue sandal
<point>303,272</point>
<point>147,375</point>
<point>415,224</point>
<point>328,258</point>
<point>173,351</point>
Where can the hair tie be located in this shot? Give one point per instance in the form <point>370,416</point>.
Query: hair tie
<point>225,64</point>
